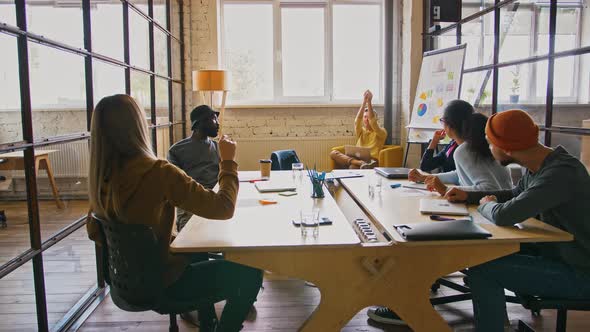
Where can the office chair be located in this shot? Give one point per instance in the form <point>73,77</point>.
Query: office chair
<point>536,304</point>
<point>282,160</point>
<point>389,156</point>
<point>134,276</point>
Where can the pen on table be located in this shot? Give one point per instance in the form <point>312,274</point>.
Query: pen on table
<point>395,185</point>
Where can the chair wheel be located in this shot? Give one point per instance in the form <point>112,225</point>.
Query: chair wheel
<point>434,288</point>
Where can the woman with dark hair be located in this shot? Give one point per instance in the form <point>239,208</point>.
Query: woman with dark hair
<point>476,168</point>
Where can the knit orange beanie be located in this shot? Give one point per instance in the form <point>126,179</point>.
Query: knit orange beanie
<point>512,130</point>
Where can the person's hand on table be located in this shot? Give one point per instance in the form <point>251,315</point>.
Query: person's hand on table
<point>433,183</point>
<point>415,176</point>
<point>488,199</point>
<point>456,195</point>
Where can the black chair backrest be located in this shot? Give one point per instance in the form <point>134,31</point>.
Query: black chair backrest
<point>134,264</point>
<point>282,160</point>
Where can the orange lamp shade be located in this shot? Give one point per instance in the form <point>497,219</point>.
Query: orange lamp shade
<point>210,80</point>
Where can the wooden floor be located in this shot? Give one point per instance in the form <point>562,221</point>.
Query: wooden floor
<point>70,271</point>
<point>283,305</point>
<point>69,265</point>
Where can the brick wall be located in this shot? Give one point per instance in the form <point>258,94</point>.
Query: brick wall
<point>291,122</point>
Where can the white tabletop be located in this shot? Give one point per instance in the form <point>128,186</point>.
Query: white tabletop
<point>254,225</point>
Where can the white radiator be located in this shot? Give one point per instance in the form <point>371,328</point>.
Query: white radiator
<point>311,150</point>
<point>70,160</point>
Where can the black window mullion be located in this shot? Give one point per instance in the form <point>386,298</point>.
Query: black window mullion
<point>550,71</point>
<point>88,61</point>
<point>182,74</point>
<point>495,71</point>
<point>152,77</point>
<point>169,53</point>
<point>29,167</point>
<point>126,47</point>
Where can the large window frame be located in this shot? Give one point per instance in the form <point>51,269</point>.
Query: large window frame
<point>30,142</point>
<point>534,95</point>
<point>327,5</point>
<point>547,127</point>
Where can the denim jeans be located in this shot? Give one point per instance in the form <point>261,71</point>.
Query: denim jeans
<point>208,282</point>
<point>521,274</point>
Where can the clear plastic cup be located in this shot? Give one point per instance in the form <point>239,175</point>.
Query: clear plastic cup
<point>310,222</point>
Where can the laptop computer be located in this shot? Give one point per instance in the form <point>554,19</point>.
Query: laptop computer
<point>393,172</point>
<point>358,152</point>
<point>274,186</point>
<point>461,229</point>
<point>440,206</point>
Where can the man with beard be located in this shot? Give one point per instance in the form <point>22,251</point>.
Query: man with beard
<point>198,155</point>
<point>556,189</point>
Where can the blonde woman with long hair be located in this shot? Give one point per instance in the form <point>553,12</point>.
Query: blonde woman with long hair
<point>129,184</point>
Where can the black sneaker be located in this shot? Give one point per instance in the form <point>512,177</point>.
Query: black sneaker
<point>385,316</point>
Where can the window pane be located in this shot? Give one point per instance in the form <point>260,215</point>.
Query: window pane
<point>514,83</point>
<point>177,101</point>
<point>572,143</point>
<point>568,29</point>
<point>585,23</point>
<point>58,92</point>
<point>160,52</point>
<point>139,50</point>
<point>163,137</point>
<point>160,12</point>
<point>107,29</point>
<point>43,16</point>
<point>302,37</point>
<point>10,116</point>
<point>250,60</point>
<point>140,90</point>
<point>8,13</point>
<point>21,315</point>
<point>70,271</point>
<point>357,49</point>
<point>516,32</point>
<point>108,80</point>
<point>162,98</point>
<point>176,59</point>
<point>566,113</point>
<point>472,88</point>
<point>62,184</point>
<point>175,18</point>
<point>178,133</point>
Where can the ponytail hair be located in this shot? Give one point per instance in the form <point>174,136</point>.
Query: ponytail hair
<point>475,137</point>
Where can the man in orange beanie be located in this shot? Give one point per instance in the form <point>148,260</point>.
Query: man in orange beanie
<point>556,189</point>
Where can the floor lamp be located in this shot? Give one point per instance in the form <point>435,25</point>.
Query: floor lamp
<point>212,80</point>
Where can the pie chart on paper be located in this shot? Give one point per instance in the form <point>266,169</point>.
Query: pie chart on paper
<point>422,108</point>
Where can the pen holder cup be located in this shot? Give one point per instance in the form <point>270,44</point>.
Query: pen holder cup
<point>317,189</point>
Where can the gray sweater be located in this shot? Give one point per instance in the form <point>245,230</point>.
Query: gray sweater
<point>474,173</point>
<point>559,195</point>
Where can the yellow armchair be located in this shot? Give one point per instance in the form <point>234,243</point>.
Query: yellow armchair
<point>389,156</point>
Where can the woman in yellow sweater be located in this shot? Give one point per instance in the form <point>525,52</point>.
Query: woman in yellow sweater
<point>128,184</point>
<point>368,134</point>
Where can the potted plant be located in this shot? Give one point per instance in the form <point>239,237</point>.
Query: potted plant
<point>515,88</point>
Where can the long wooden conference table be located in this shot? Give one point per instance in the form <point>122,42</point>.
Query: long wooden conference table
<point>351,272</point>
